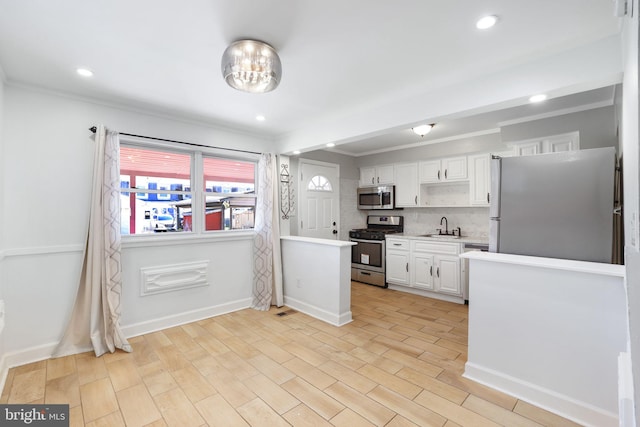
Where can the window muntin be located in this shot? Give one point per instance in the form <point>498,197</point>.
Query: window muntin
<point>319,183</point>
<point>156,191</point>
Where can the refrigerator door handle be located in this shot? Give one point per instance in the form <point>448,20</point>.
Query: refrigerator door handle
<point>496,169</point>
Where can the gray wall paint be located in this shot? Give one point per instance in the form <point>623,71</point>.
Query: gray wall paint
<point>597,128</point>
<point>483,143</point>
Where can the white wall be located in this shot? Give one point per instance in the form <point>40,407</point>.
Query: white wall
<point>631,162</point>
<point>48,155</point>
<point>2,203</point>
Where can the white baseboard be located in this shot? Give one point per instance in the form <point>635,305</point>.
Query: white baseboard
<point>42,352</point>
<point>319,313</point>
<point>562,405</point>
<point>154,325</point>
<point>426,293</point>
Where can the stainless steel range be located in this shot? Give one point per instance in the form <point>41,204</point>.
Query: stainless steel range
<point>368,256</point>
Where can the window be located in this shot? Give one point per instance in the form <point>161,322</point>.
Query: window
<point>319,183</point>
<point>159,193</point>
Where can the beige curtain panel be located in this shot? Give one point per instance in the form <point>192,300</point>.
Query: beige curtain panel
<point>267,257</point>
<point>95,320</point>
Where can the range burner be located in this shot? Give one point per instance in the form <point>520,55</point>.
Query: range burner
<point>378,226</point>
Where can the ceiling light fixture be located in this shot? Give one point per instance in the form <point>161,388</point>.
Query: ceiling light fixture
<point>538,98</point>
<point>296,152</point>
<point>422,130</point>
<point>261,118</point>
<point>486,22</point>
<point>251,66</point>
<point>84,72</point>
<point>331,144</point>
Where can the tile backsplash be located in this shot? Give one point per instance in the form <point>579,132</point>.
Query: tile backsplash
<point>474,222</point>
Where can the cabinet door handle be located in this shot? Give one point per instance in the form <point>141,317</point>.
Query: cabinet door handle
<point>416,202</point>
<point>378,178</point>
<point>488,198</point>
<point>445,174</point>
<point>438,175</point>
<point>407,267</point>
<point>373,180</point>
<point>438,271</point>
<point>431,271</point>
<point>397,244</point>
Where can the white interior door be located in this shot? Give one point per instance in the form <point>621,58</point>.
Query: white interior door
<point>319,199</point>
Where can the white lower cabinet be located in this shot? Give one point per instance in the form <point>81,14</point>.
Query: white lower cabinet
<point>427,267</point>
<point>422,271</point>
<point>398,267</point>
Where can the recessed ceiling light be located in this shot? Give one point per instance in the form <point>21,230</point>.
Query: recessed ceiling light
<point>486,22</point>
<point>84,72</point>
<point>296,152</point>
<point>331,144</point>
<point>260,118</point>
<point>538,98</point>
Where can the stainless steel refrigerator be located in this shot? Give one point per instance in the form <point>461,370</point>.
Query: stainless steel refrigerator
<point>557,205</point>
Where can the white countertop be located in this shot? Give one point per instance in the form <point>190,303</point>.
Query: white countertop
<point>462,239</point>
<point>553,263</point>
<point>316,241</point>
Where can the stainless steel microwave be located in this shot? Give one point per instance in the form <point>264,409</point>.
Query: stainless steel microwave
<point>380,197</point>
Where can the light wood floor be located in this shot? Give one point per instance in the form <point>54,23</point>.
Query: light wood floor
<point>399,363</point>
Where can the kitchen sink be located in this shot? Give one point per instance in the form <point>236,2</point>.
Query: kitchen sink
<point>440,236</point>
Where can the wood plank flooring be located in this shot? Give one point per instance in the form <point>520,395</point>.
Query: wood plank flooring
<point>399,363</point>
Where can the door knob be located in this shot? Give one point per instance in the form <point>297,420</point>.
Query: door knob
<point>335,231</point>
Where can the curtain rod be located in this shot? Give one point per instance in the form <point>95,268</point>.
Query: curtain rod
<point>94,129</point>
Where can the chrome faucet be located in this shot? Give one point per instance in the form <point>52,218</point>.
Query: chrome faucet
<point>446,225</point>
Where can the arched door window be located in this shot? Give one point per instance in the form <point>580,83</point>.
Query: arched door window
<point>319,183</point>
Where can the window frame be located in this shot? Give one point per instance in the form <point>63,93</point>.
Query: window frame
<point>197,191</point>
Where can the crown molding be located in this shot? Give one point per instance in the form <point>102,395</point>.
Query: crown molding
<point>557,113</point>
<point>430,142</point>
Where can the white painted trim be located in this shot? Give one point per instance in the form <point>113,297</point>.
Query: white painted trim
<point>556,113</point>
<point>318,162</point>
<point>42,250</point>
<point>319,313</point>
<point>552,263</point>
<point>560,404</point>
<point>149,110</point>
<point>173,277</point>
<point>316,241</point>
<point>138,242</point>
<point>161,323</point>
<point>426,293</point>
<point>143,241</point>
<point>43,352</point>
<point>428,142</point>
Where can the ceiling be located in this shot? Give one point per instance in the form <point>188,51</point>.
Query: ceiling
<point>340,59</point>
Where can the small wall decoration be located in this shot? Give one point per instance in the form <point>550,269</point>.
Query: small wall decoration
<point>287,200</point>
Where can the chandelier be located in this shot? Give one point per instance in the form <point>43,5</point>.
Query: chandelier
<point>251,66</point>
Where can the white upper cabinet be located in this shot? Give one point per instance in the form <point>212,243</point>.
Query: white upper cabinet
<point>479,179</point>
<point>376,175</point>
<point>407,188</point>
<point>443,170</point>
<point>549,144</point>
